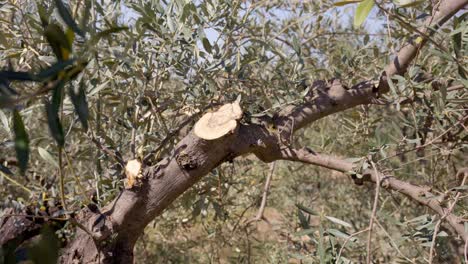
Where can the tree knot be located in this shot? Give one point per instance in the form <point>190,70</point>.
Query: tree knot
<point>185,161</point>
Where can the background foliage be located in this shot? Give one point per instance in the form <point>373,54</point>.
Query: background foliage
<point>106,81</point>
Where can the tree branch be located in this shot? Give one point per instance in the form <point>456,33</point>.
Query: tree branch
<point>415,192</point>
<point>332,97</point>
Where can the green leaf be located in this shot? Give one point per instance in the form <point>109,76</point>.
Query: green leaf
<point>86,14</point>
<point>21,141</point>
<point>338,233</point>
<point>303,220</point>
<point>16,76</point>
<point>206,45</point>
<point>95,39</point>
<point>43,15</point>
<point>46,249</point>
<point>321,248</point>
<point>7,101</point>
<point>185,12</point>
<point>52,109</point>
<point>5,170</point>
<point>53,70</point>
<point>362,11</point>
<point>78,99</point>
<point>67,18</point>
<point>457,41</point>
<point>306,209</point>
<point>58,41</point>
<point>4,41</point>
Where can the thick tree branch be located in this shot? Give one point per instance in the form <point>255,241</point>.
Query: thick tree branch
<point>332,97</point>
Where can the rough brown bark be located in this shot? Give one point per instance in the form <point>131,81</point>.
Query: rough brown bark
<point>108,235</point>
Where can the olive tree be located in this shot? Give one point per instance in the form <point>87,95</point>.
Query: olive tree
<point>112,110</point>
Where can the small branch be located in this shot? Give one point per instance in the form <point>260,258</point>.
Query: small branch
<point>16,183</point>
<point>415,192</point>
<point>133,135</point>
<point>62,179</point>
<point>433,141</point>
<point>77,180</point>
<point>393,243</point>
<point>346,242</point>
<point>449,211</point>
<point>114,154</point>
<point>34,216</point>
<point>374,212</point>
<point>266,189</point>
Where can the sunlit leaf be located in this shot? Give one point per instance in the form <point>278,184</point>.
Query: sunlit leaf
<point>347,2</point>
<point>47,157</point>
<point>362,11</point>
<point>338,221</point>
<point>409,3</point>
<point>4,121</point>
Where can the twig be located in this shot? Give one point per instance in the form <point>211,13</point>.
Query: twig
<point>459,122</point>
<point>393,242</point>
<point>82,227</point>
<point>77,7</point>
<point>34,216</point>
<point>374,211</point>
<point>266,189</point>
<point>106,150</point>
<point>455,88</point>
<point>134,128</point>
<point>417,193</point>
<point>78,183</point>
<point>449,210</point>
<point>16,183</point>
<point>346,242</point>
<point>466,251</point>
<point>62,184</point>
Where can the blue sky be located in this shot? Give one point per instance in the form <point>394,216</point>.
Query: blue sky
<point>346,13</point>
